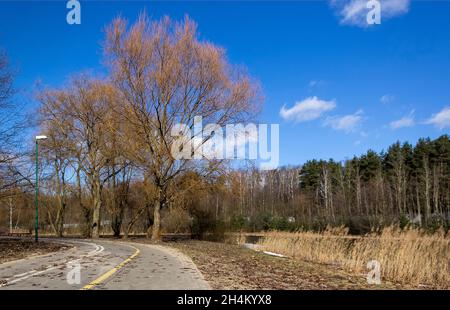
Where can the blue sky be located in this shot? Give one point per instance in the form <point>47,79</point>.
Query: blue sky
<point>336,86</point>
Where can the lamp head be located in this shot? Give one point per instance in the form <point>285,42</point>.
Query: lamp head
<point>41,137</point>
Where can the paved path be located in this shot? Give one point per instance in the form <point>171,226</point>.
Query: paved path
<point>103,265</point>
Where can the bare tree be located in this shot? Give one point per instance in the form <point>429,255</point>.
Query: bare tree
<point>57,150</point>
<point>10,125</point>
<point>167,76</point>
<point>83,112</point>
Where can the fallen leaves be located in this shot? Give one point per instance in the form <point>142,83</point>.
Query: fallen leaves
<point>12,249</point>
<point>227,266</point>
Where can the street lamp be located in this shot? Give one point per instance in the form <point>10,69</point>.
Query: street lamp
<point>37,189</point>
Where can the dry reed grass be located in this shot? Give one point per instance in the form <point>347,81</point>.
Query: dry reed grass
<point>409,257</point>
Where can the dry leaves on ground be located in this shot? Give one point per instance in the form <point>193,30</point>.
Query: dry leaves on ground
<point>227,266</point>
<point>12,249</point>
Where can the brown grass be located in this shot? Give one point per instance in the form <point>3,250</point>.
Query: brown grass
<point>409,257</point>
<point>230,266</point>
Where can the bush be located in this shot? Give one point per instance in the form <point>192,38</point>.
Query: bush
<point>206,227</point>
<point>278,223</point>
<point>436,222</point>
<point>359,225</point>
<point>176,220</point>
<point>238,223</point>
<point>263,221</point>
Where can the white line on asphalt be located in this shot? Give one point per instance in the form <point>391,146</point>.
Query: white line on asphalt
<point>23,276</point>
<point>28,276</point>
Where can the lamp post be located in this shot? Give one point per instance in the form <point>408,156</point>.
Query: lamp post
<point>36,200</point>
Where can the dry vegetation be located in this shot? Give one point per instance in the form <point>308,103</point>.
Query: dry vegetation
<point>230,266</point>
<point>409,257</point>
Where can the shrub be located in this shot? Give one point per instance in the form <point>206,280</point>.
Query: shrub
<point>238,223</point>
<point>176,220</point>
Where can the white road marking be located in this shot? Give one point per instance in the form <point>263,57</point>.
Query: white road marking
<point>28,276</point>
<point>23,276</point>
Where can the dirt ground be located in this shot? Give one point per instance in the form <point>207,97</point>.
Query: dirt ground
<point>12,249</point>
<point>227,266</point>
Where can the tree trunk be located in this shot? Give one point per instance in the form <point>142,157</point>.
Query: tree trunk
<point>156,228</point>
<point>116,204</point>
<point>96,199</point>
<point>61,197</point>
<point>160,202</point>
<point>116,224</point>
<point>427,190</point>
<point>358,191</point>
<point>59,222</point>
<point>418,203</point>
<point>435,190</point>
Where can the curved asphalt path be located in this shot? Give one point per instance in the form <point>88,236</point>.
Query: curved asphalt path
<point>103,265</point>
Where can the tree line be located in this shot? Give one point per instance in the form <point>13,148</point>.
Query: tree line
<point>404,185</point>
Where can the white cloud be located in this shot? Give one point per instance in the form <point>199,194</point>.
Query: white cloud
<point>441,120</point>
<point>385,99</point>
<point>307,110</point>
<point>347,123</point>
<point>354,12</point>
<point>405,121</point>
<point>315,83</point>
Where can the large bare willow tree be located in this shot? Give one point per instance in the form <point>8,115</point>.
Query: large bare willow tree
<point>167,75</point>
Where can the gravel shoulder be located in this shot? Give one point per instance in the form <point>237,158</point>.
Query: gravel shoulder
<point>227,266</point>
